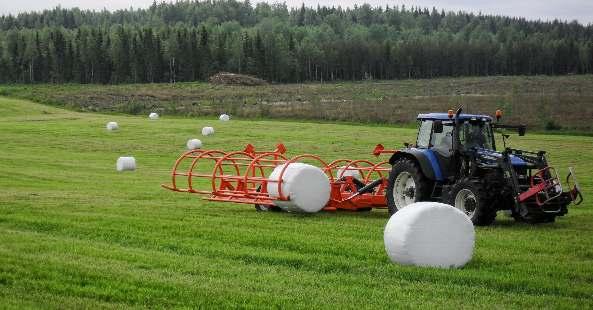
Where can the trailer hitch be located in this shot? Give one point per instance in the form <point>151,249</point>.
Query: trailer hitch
<point>366,189</point>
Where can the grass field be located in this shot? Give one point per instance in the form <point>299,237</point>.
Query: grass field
<point>75,233</point>
<point>542,102</point>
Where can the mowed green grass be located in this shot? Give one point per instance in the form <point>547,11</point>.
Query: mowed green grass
<point>76,233</point>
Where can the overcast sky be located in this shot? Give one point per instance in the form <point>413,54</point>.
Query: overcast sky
<point>581,10</point>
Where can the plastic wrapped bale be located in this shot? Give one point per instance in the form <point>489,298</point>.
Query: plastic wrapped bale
<point>429,234</point>
<point>348,172</point>
<point>194,144</point>
<point>224,117</point>
<point>306,186</point>
<point>112,126</point>
<point>153,116</point>
<point>207,131</point>
<point>126,163</point>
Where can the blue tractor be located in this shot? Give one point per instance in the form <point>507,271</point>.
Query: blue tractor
<point>455,161</point>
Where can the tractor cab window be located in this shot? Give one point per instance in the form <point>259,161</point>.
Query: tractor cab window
<point>423,139</point>
<point>476,134</point>
<point>442,142</point>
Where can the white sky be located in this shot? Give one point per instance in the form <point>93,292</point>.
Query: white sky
<point>581,10</point>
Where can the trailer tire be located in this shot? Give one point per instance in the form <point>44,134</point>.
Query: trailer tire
<point>470,197</point>
<point>418,186</point>
<point>264,208</point>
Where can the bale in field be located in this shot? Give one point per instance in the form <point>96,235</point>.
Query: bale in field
<point>429,234</point>
<point>193,144</point>
<point>226,78</point>
<point>207,131</point>
<point>224,117</point>
<point>126,164</point>
<point>112,126</point>
<point>153,116</point>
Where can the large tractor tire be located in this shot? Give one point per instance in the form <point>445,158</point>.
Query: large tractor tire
<point>471,198</point>
<point>406,185</point>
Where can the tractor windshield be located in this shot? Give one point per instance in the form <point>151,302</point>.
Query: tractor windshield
<point>476,134</point>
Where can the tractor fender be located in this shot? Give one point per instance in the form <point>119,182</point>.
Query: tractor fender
<point>420,157</point>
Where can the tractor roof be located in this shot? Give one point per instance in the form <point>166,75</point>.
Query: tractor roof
<point>445,117</point>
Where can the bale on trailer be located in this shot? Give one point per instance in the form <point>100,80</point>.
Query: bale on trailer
<point>306,186</point>
<point>345,171</point>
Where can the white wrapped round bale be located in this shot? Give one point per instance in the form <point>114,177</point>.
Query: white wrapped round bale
<point>306,186</point>
<point>153,116</point>
<point>206,131</point>
<point>126,164</point>
<point>347,172</point>
<point>429,234</point>
<point>112,126</point>
<point>224,117</point>
<point>194,144</point>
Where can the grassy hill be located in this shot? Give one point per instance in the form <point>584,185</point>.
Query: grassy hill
<point>542,102</point>
<point>75,233</point>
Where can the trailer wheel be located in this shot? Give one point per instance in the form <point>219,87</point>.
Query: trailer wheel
<point>470,197</point>
<point>406,185</point>
<point>264,208</point>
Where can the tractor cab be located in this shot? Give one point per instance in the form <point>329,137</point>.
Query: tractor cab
<point>440,131</point>
<point>442,137</point>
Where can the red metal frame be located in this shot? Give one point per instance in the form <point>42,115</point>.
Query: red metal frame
<point>242,177</point>
<point>544,182</point>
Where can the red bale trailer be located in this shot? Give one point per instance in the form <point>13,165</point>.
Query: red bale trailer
<point>243,177</point>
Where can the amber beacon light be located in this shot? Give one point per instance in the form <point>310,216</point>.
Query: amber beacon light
<point>498,114</point>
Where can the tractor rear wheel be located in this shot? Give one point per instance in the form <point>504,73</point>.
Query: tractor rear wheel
<point>406,185</point>
<point>471,198</point>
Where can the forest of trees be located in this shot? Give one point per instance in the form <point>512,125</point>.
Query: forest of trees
<point>190,40</point>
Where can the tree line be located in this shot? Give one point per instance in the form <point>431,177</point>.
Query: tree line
<point>190,40</point>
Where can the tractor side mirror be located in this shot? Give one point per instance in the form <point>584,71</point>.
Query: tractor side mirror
<point>437,127</point>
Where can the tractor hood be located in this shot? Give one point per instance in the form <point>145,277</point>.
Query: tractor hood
<point>490,157</point>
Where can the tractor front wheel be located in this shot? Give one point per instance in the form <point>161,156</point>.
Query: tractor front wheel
<point>406,185</point>
<point>470,197</point>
